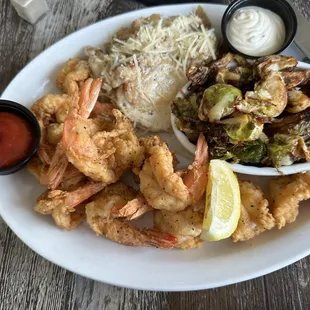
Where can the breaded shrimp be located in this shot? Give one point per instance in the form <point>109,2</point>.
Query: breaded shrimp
<point>62,204</point>
<point>185,225</point>
<point>81,106</point>
<point>286,193</point>
<point>255,216</point>
<point>74,72</point>
<point>99,217</point>
<point>155,195</point>
<point>160,184</point>
<point>106,155</point>
<point>47,110</point>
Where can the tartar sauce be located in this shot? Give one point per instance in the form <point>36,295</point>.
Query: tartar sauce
<point>256,31</point>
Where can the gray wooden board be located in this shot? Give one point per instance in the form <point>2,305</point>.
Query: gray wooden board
<point>27,281</point>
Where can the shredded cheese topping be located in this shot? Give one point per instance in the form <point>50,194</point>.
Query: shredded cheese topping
<point>144,66</point>
<point>180,38</point>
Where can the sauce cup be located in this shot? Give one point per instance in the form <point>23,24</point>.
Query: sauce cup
<point>280,7</point>
<point>26,115</point>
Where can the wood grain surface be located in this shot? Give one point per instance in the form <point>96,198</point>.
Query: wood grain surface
<point>27,281</point>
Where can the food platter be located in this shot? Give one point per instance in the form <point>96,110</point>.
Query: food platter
<point>80,251</point>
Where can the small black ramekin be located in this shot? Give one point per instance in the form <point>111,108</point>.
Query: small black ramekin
<point>280,7</point>
<point>17,109</point>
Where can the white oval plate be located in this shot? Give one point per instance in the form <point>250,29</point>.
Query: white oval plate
<point>81,251</point>
<point>251,170</point>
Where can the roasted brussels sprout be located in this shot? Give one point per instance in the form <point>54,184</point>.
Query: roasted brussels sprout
<point>268,99</point>
<point>186,107</point>
<point>264,65</point>
<point>240,77</point>
<point>283,149</point>
<point>297,101</point>
<point>297,124</point>
<point>218,101</point>
<point>243,128</point>
<point>255,113</point>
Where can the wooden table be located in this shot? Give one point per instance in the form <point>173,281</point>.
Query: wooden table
<point>27,281</point>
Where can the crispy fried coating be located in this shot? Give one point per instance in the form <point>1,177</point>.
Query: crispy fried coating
<point>101,218</point>
<point>75,71</point>
<point>285,195</point>
<point>255,217</point>
<point>185,225</point>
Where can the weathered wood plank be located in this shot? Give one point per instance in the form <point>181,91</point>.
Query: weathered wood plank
<point>15,39</point>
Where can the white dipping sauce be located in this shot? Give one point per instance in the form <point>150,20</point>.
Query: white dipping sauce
<point>256,31</point>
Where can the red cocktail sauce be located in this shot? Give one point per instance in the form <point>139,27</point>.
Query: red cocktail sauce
<point>16,139</point>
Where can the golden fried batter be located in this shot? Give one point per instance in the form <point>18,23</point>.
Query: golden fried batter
<point>286,193</point>
<point>185,225</point>
<point>100,217</point>
<point>255,217</point>
<point>74,72</point>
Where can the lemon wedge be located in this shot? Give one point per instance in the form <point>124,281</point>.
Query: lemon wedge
<point>222,211</point>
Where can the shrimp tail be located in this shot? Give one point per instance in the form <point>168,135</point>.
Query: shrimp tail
<point>158,239</point>
<point>89,95</point>
<point>102,108</point>
<point>57,168</point>
<point>81,194</point>
<point>197,175</point>
<point>43,155</point>
<point>134,209</point>
<point>201,153</point>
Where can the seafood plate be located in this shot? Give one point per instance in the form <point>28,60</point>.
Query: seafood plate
<point>100,171</point>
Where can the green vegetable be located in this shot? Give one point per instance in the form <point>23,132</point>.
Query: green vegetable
<point>284,149</point>
<point>243,128</point>
<point>186,107</point>
<point>298,124</point>
<point>268,99</point>
<point>251,152</point>
<point>221,152</point>
<point>289,139</point>
<point>218,102</point>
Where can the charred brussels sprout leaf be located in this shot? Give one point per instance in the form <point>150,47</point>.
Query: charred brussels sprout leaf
<point>251,152</point>
<point>221,152</point>
<point>284,149</point>
<point>298,124</point>
<point>289,139</point>
<point>218,101</point>
<point>186,107</point>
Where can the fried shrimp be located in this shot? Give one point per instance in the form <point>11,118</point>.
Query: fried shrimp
<point>49,109</point>
<point>128,151</point>
<point>185,225</point>
<point>255,216</point>
<point>161,161</point>
<point>74,72</point>
<point>81,106</point>
<point>99,217</point>
<point>64,205</point>
<point>37,167</point>
<point>54,133</point>
<point>286,193</point>
<point>107,155</point>
<point>155,195</point>
<point>157,181</point>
